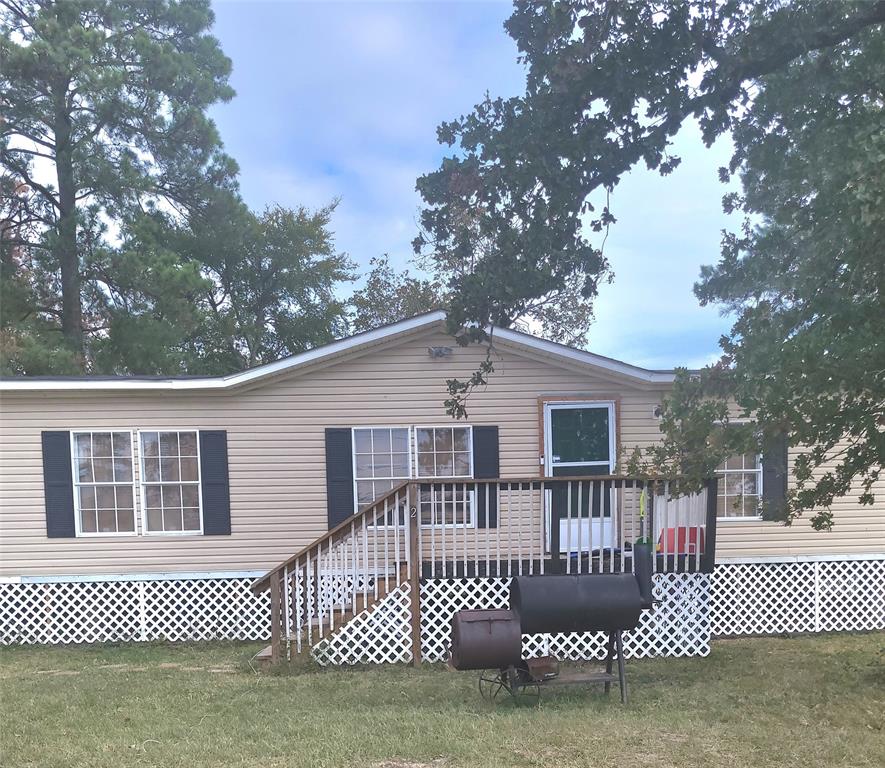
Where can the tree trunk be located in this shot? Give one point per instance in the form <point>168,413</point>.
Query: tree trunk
<point>66,242</point>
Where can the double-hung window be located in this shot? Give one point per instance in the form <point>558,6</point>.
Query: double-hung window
<point>104,483</point>
<point>441,453</point>
<point>740,487</point>
<point>381,460</point>
<point>386,456</point>
<point>170,480</point>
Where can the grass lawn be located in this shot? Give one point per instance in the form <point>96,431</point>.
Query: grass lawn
<point>812,701</point>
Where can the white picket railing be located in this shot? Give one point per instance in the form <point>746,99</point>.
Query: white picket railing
<point>456,528</point>
<point>343,572</point>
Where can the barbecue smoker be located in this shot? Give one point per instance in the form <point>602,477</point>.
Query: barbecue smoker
<point>491,640</point>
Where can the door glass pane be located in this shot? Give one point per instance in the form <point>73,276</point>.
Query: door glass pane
<point>580,434</point>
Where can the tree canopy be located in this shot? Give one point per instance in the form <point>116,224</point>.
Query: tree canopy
<point>388,296</point>
<point>111,96</point>
<point>125,246</point>
<point>798,86</point>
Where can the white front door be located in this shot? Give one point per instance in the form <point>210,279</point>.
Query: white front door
<point>579,441</point>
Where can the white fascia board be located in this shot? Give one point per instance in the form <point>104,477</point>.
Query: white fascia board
<point>582,356</point>
<point>226,382</point>
<point>330,350</point>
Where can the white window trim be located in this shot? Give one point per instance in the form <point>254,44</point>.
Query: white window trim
<point>560,405</point>
<point>78,522</point>
<point>471,505</point>
<point>395,480</point>
<point>143,484</point>
<point>413,467</point>
<point>721,474</point>
<point>415,429</point>
<point>455,479</point>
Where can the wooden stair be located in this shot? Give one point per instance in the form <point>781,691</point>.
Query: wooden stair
<point>343,613</point>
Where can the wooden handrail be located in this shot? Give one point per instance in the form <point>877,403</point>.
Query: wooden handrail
<point>263,582</point>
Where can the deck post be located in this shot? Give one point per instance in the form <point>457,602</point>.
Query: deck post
<point>555,520</point>
<point>276,605</point>
<point>708,557</point>
<point>415,572</point>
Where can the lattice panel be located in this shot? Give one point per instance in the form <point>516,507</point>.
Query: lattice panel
<point>380,635</point>
<point>851,595</point>
<point>762,598</point>
<point>442,598</point>
<point>680,626</point>
<point>90,612</point>
<point>738,599</point>
<point>772,598</point>
<point>121,611</point>
<point>205,609</point>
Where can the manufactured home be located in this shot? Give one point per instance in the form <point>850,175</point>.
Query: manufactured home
<point>326,501</point>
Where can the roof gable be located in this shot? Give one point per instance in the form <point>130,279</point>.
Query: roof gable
<point>342,348</point>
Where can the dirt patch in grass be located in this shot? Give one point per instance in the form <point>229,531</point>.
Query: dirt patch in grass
<point>811,701</point>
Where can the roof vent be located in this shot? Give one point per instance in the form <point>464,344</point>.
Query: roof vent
<point>439,352</point>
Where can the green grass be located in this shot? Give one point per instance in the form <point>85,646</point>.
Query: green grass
<point>764,702</point>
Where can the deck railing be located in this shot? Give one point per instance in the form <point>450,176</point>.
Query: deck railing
<point>457,528</point>
<point>341,573</point>
<point>526,526</point>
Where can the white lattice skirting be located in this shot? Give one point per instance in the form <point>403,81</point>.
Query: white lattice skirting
<point>382,634</point>
<point>821,596</point>
<point>738,599</point>
<point>119,611</point>
<point>679,626</point>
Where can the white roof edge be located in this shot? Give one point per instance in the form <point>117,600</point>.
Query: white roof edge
<point>582,356</point>
<point>329,350</point>
<point>234,379</point>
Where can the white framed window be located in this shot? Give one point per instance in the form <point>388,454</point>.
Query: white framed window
<point>386,456</point>
<point>104,482</point>
<point>739,493</point>
<point>170,481</point>
<point>443,452</point>
<point>381,460</point>
<point>447,505</point>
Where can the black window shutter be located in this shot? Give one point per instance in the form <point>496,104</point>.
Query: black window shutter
<point>215,483</point>
<point>486,464</point>
<point>58,485</point>
<point>775,473</point>
<point>339,474</point>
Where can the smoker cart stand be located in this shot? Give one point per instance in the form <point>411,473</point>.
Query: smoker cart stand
<point>524,680</point>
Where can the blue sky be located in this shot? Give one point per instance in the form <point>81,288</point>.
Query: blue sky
<point>342,100</point>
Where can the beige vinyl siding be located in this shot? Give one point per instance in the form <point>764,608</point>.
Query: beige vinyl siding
<point>276,453</point>
<point>857,529</point>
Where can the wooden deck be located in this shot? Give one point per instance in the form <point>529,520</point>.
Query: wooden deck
<point>503,527</point>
